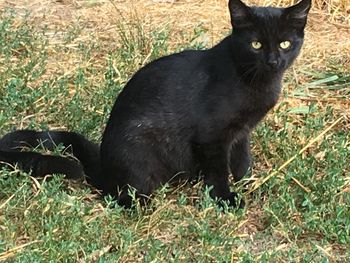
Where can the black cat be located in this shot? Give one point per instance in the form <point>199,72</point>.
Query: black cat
<point>184,113</point>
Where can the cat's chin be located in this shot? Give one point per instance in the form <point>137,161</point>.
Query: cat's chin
<point>275,71</point>
<point>270,70</point>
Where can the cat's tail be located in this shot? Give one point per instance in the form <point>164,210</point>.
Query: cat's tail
<point>86,152</point>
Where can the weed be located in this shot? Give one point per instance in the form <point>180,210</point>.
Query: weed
<point>301,214</point>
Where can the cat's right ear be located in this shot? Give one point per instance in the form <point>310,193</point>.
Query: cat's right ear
<point>240,14</point>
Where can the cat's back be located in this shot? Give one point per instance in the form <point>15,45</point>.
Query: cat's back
<point>159,97</point>
<point>165,72</point>
<point>162,85</point>
<point>155,106</point>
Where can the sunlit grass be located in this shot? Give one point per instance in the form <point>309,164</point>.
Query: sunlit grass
<point>302,214</point>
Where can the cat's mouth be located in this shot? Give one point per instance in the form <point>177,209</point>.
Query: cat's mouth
<point>273,68</point>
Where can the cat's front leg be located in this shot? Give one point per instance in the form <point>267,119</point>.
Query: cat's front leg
<point>213,161</point>
<point>240,158</point>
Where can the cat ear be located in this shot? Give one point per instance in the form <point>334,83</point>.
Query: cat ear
<point>240,14</point>
<point>297,14</point>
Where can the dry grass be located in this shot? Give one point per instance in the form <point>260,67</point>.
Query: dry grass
<point>328,33</point>
<point>327,39</point>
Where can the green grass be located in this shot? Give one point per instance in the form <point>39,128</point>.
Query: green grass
<point>300,215</point>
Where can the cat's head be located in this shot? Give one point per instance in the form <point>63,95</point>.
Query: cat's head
<point>267,39</point>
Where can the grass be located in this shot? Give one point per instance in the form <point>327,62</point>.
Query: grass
<point>65,78</point>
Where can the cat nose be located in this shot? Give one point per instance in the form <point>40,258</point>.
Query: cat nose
<point>273,63</point>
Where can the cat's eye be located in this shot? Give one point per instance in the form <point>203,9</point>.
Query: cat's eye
<point>256,45</point>
<point>285,44</point>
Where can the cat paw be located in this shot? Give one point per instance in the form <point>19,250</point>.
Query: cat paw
<point>234,200</point>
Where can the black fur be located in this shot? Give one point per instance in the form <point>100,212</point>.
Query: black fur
<point>88,153</point>
<point>189,112</point>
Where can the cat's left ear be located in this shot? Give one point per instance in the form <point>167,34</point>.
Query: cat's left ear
<point>297,14</point>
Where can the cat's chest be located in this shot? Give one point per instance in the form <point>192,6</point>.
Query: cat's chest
<point>255,104</point>
<point>249,118</point>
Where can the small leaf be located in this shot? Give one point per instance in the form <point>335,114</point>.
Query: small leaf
<point>299,110</point>
<point>323,81</point>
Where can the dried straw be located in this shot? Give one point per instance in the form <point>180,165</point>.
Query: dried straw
<point>258,183</point>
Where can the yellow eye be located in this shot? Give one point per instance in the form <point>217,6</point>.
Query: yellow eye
<point>285,44</point>
<point>256,45</point>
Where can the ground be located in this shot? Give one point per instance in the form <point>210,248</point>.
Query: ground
<point>61,65</point>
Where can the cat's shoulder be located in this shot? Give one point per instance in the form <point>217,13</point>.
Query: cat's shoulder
<point>177,65</point>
